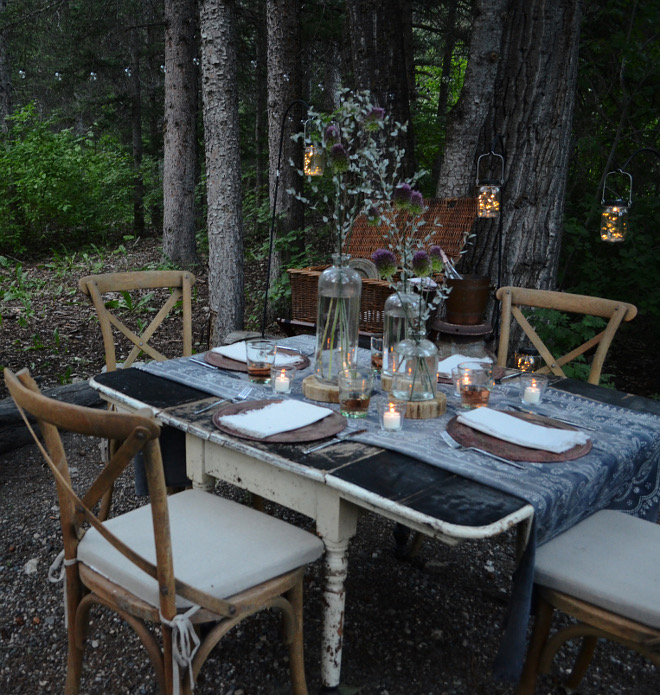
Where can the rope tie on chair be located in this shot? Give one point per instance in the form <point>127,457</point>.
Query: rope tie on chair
<point>185,644</point>
<point>56,575</point>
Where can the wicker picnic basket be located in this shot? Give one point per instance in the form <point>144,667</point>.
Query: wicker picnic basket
<point>448,221</point>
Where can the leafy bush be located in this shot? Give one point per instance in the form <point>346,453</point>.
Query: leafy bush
<point>57,187</point>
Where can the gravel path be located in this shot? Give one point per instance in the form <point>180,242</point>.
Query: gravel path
<point>424,627</point>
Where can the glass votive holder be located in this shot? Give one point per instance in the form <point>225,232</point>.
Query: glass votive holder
<point>456,380</point>
<point>391,414</point>
<point>355,386</point>
<point>376,354</point>
<point>474,384</point>
<point>281,378</point>
<point>532,387</point>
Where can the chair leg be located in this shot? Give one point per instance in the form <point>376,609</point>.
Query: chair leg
<point>74,661</point>
<point>582,662</point>
<point>296,652</point>
<point>542,623</point>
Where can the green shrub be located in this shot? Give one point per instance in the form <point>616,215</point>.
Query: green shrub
<point>60,188</point>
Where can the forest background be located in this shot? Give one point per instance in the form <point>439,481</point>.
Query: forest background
<point>95,97</point>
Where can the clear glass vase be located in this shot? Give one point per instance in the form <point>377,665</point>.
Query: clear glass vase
<point>338,319</point>
<point>415,378</point>
<point>399,314</point>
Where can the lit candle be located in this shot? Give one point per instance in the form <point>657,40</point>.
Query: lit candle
<point>391,419</point>
<point>532,395</point>
<point>282,383</point>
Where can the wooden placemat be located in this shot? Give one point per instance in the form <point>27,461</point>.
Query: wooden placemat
<point>218,360</point>
<point>498,373</point>
<point>470,437</point>
<point>328,426</point>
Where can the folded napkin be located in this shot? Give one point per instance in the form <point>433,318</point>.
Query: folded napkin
<point>517,431</point>
<point>236,351</point>
<point>275,418</point>
<point>445,366</point>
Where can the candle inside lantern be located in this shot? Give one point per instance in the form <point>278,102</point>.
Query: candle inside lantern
<point>391,419</point>
<point>282,383</point>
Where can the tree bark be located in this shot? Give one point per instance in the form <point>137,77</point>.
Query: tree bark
<point>5,73</point>
<point>527,50</point>
<point>382,60</point>
<point>223,166</point>
<point>284,88</point>
<point>136,133</point>
<point>180,142</point>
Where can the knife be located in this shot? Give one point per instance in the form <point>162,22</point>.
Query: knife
<point>213,366</point>
<point>334,440</point>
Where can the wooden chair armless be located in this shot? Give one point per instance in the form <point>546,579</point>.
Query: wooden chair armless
<point>97,287</point>
<point>513,298</point>
<point>172,564</point>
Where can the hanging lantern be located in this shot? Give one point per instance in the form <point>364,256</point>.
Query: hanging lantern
<point>489,191</point>
<point>313,157</point>
<point>614,217</point>
<point>527,359</point>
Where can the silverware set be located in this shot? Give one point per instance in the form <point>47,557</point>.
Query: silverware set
<point>240,396</point>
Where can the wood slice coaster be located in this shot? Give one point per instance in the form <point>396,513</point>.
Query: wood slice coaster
<point>316,390</point>
<point>327,427</point>
<point>470,437</point>
<point>218,360</point>
<point>426,410</point>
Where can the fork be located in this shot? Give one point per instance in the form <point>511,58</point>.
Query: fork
<point>240,396</point>
<point>449,440</point>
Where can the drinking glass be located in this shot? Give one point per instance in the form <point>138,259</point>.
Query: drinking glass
<point>260,356</point>
<point>475,384</point>
<point>355,387</point>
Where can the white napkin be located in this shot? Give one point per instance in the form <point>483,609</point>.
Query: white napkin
<point>275,418</point>
<point>236,351</point>
<point>445,366</point>
<point>517,431</point>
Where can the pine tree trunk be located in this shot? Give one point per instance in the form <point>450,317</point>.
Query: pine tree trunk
<point>223,166</point>
<point>284,88</point>
<point>5,73</point>
<point>180,142</point>
<point>529,56</point>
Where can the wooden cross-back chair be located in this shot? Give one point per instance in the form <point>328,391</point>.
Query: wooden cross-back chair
<point>179,283</point>
<point>175,563</point>
<point>604,573</point>
<point>513,298</point>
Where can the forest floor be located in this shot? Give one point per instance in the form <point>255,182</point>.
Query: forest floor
<point>426,626</point>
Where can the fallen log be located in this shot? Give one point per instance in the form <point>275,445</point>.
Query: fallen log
<point>14,433</point>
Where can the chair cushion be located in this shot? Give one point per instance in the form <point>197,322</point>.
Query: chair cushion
<point>612,560</point>
<point>218,546</point>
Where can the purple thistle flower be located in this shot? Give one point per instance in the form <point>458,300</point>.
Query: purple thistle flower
<point>416,203</point>
<point>421,264</point>
<point>338,158</point>
<point>332,134</point>
<point>385,262</point>
<point>435,254</point>
<point>374,118</point>
<point>401,196</point>
<point>373,216</point>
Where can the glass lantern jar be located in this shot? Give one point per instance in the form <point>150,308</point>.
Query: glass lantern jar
<point>338,319</point>
<point>527,359</point>
<point>400,311</point>
<point>416,375</point>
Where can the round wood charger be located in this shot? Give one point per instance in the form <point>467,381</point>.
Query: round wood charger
<point>467,436</point>
<point>218,360</point>
<point>327,427</point>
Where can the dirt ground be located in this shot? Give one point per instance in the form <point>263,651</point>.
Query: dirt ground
<point>428,626</point>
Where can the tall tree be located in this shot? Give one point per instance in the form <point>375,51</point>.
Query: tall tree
<point>5,69</point>
<point>223,166</point>
<point>380,33</point>
<point>519,91</point>
<point>284,88</point>
<point>180,141</point>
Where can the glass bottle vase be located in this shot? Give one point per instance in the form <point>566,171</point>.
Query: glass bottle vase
<point>399,313</point>
<point>338,319</point>
<point>416,375</point>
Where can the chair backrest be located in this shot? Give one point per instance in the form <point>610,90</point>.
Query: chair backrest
<point>513,298</point>
<point>135,432</point>
<point>177,286</point>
